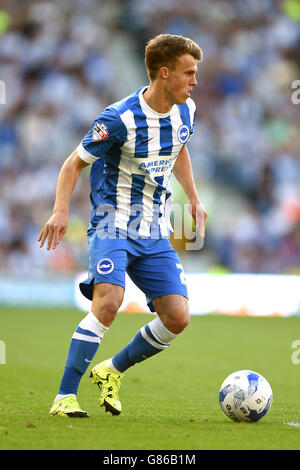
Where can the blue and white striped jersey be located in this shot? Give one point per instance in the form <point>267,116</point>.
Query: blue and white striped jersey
<point>133,149</point>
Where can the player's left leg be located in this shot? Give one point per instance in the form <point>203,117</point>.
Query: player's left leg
<point>173,311</point>
<point>172,318</point>
<point>151,339</point>
<point>160,276</point>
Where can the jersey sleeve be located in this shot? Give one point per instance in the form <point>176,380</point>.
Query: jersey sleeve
<point>107,131</point>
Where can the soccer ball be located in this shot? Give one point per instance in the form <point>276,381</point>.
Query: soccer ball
<point>245,396</point>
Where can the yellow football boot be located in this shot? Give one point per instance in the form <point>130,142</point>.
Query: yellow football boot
<point>68,407</point>
<point>109,384</point>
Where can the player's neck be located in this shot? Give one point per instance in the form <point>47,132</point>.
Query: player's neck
<point>155,97</point>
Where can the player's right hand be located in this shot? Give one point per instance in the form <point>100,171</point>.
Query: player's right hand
<point>54,230</point>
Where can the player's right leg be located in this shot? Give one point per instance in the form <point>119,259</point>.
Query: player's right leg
<point>105,287</point>
<point>68,406</point>
<point>83,347</point>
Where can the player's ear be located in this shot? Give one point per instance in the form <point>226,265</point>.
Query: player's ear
<point>164,73</point>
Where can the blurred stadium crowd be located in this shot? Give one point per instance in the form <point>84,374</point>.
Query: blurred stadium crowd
<point>63,62</point>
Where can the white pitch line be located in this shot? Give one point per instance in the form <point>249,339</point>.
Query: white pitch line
<point>296,425</point>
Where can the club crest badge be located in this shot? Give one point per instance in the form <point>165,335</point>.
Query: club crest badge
<point>105,266</point>
<point>183,134</point>
<point>100,132</point>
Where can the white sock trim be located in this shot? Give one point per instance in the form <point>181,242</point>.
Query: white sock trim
<point>59,396</point>
<point>91,323</point>
<point>161,333</point>
<point>156,344</point>
<point>109,365</point>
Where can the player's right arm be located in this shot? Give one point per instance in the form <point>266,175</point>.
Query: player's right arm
<point>107,130</point>
<point>56,226</point>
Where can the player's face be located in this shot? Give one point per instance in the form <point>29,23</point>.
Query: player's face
<point>181,79</point>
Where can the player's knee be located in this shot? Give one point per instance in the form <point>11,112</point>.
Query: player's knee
<point>105,307</point>
<point>110,309</point>
<point>182,322</point>
<point>106,302</point>
<point>178,321</point>
<point>174,313</point>
<point>181,316</point>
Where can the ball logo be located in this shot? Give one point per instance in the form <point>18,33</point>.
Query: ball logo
<point>183,134</point>
<point>105,266</point>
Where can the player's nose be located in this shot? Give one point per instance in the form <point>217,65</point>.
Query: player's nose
<point>194,81</point>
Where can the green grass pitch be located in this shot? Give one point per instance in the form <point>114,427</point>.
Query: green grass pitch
<point>170,402</point>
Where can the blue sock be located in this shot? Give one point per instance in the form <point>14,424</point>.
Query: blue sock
<point>141,347</point>
<point>84,345</point>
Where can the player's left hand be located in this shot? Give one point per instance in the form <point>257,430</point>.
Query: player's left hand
<point>199,215</point>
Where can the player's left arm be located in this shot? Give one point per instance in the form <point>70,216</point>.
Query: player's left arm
<point>184,174</point>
